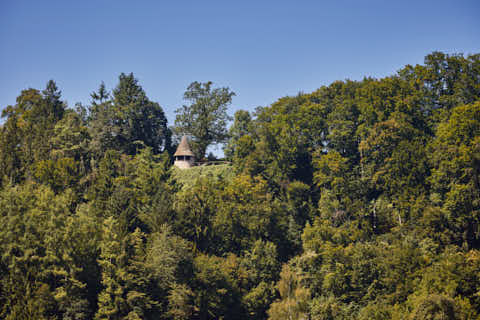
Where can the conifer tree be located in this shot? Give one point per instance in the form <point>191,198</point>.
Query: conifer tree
<point>128,120</point>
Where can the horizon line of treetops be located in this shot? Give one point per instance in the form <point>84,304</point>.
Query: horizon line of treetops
<point>127,114</point>
<point>127,109</point>
<point>360,200</point>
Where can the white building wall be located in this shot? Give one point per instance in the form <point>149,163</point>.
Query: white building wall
<point>183,164</point>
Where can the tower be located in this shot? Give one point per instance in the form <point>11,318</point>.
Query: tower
<point>184,157</point>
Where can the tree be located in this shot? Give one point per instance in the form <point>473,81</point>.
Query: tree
<point>263,269</point>
<point>455,157</point>
<point>101,95</point>
<point>436,307</point>
<point>294,297</point>
<point>217,284</point>
<point>44,255</point>
<point>242,125</point>
<point>180,306</point>
<point>29,125</point>
<point>127,120</point>
<point>205,119</point>
<point>393,157</point>
<point>195,208</point>
<point>288,132</point>
<point>70,138</point>
<point>112,260</point>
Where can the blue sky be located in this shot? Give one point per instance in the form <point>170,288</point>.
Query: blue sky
<point>262,50</point>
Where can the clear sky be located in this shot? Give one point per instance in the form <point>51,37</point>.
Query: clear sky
<point>262,50</point>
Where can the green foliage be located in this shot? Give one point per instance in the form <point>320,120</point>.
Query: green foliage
<point>217,282</point>
<point>294,297</point>
<point>205,119</point>
<point>436,307</point>
<point>263,267</point>
<point>242,125</point>
<point>180,304</point>
<point>27,131</point>
<point>127,121</point>
<point>360,200</point>
<point>186,178</point>
<point>59,175</point>
<point>71,138</point>
<point>41,255</point>
<point>247,213</point>
<point>455,175</point>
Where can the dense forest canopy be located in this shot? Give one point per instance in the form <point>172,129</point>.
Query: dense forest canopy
<point>360,200</point>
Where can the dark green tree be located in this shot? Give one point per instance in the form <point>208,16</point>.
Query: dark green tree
<point>128,120</point>
<point>28,128</point>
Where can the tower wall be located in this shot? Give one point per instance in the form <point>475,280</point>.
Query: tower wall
<point>183,164</point>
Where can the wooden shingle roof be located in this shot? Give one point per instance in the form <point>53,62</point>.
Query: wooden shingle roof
<point>183,148</point>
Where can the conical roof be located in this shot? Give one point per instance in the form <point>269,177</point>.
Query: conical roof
<point>183,148</point>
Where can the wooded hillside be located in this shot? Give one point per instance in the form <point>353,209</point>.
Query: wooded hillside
<point>360,200</point>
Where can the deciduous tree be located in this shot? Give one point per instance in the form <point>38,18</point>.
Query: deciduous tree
<point>205,119</point>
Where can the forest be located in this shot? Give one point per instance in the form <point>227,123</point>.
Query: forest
<point>360,200</point>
